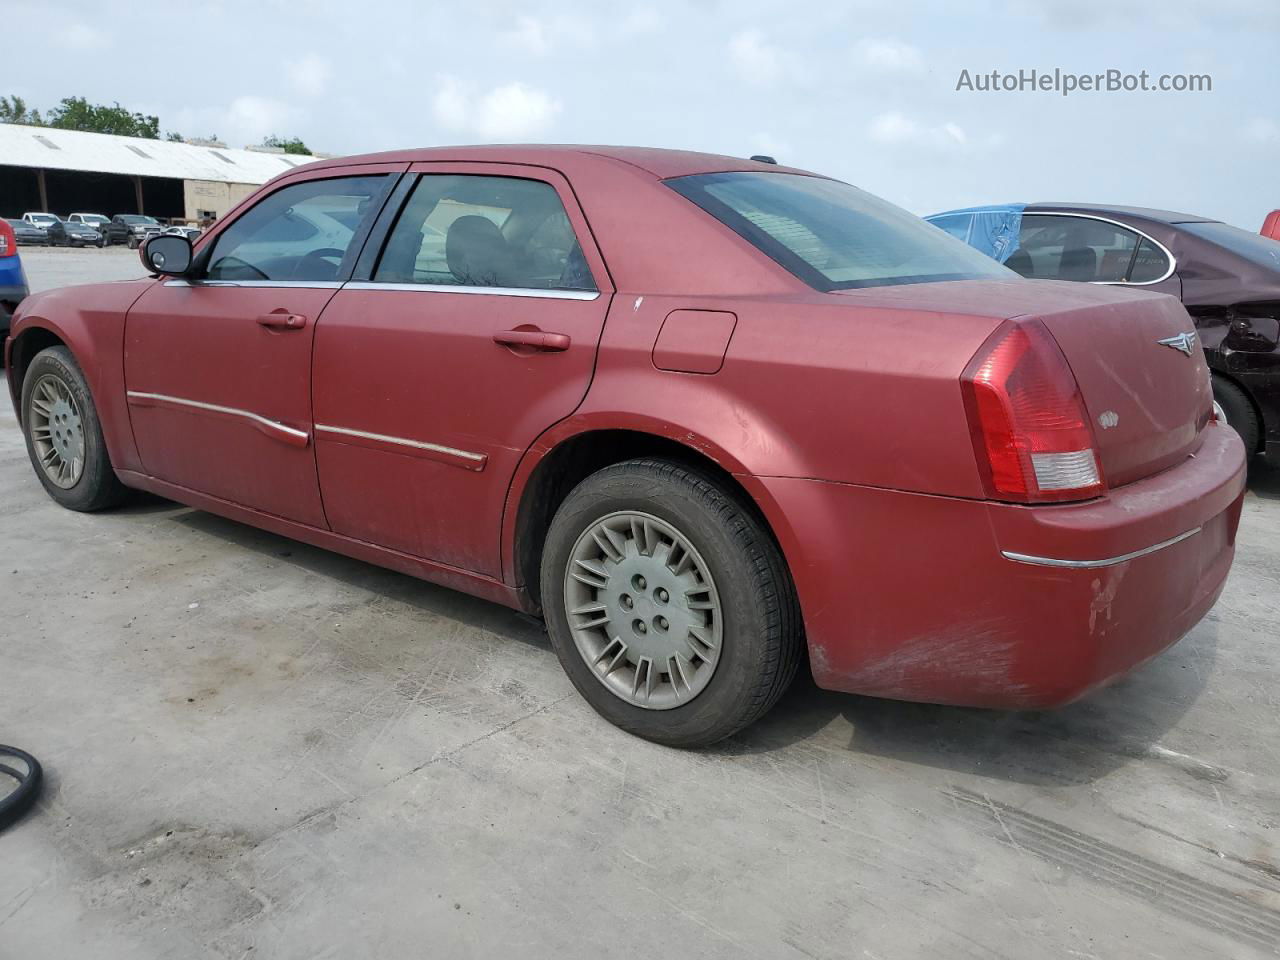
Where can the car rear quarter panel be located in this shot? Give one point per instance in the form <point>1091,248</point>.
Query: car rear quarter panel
<point>90,321</point>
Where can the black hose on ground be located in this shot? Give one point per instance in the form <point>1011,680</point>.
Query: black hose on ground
<point>15,804</point>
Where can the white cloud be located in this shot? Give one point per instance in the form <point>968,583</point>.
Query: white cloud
<point>757,60</point>
<point>896,128</point>
<point>771,146</point>
<point>511,112</point>
<point>889,55</point>
<point>310,75</point>
<point>539,37</point>
<point>245,120</point>
<point>81,36</point>
<point>1262,130</point>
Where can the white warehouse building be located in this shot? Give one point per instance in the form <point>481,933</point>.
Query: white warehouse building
<point>64,171</point>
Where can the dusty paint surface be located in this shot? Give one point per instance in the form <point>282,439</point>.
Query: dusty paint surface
<point>257,749</point>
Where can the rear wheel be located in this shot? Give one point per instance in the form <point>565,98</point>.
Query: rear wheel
<point>1237,410</point>
<point>64,436</point>
<point>668,603</point>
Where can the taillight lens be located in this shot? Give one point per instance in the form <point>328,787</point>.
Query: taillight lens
<point>1030,427</point>
<point>8,242</point>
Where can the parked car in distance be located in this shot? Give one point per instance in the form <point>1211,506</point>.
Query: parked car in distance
<point>64,233</point>
<point>27,233</point>
<point>13,281</point>
<point>42,220</point>
<point>96,220</point>
<point>130,229</point>
<point>748,414</point>
<point>1228,279</point>
<point>181,230</point>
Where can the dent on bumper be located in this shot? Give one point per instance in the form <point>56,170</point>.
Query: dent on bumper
<point>913,597</point>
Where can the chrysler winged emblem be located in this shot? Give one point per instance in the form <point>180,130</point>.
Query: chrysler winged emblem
<point>1183,342</point>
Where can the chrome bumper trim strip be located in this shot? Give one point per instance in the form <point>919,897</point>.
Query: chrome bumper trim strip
<point>1093,564</point>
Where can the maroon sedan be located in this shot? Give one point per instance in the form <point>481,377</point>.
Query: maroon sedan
<point>706,415</point>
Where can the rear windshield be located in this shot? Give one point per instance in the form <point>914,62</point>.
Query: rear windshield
<point>1252,246</point>
<point>834,236</point>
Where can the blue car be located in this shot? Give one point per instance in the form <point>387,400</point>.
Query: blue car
<point>13,282</point>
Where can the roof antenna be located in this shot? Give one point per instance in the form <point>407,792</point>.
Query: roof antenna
<point>764,158</point>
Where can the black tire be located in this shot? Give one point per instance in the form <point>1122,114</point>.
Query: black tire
<point>763,635</point>
<point>98,487</point>
<point>1241,414</point>
<point>132,243</point>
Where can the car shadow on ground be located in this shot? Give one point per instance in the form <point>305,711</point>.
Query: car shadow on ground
<point>1079,743</point>
<point>384,583</point>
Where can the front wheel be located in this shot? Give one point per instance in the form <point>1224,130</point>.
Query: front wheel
<point>668,603</point>
<point>64,435</point>
<point>133,244</point>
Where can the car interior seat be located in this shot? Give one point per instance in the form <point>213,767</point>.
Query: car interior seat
<point>477,252</point>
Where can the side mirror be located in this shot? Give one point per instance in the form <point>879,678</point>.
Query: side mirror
<point>167,254</point>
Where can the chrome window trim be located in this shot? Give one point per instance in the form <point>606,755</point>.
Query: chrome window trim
<point>460,288</point>
<point>1094,564</point>
<point>403,442</point>
<point>217,408</point>
<point>1173,263</point>
<point>288,284</point>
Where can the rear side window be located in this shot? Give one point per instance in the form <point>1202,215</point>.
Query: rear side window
<point>474,231</point>
<point>1073,248</point>
<point>300,232</point>
<point>831,235</point>
<point>1149,264</point>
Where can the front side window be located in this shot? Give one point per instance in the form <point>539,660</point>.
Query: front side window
<point>300,232</point>
<point>831,235</point>
<point>1073,248</point>
<point>461,230</point>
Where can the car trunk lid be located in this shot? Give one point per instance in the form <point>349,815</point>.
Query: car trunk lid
<point>1147,399</point>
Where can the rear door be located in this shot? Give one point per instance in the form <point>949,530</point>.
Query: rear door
<point>461,338</point>
<point>218,368</point>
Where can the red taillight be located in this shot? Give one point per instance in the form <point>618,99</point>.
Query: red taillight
<point>8,242</point>
<point>1030,427</point>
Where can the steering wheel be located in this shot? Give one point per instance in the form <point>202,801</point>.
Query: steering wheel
<point>325,254</point>
<point>235,263</point>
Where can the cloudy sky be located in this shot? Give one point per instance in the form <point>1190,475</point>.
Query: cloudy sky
<point>864,90</point>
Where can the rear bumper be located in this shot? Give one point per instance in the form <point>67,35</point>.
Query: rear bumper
<point>975,603</point>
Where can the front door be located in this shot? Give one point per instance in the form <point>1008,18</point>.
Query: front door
<point>438,365</point>
<point>218,368</point>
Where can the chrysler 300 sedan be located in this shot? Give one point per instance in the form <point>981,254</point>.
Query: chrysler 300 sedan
<point>706,416</point>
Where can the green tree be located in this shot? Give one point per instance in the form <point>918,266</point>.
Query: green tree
<point>289,145</point>
<point>77,113</point>
<point>173,136</point>
<point>14,110</point>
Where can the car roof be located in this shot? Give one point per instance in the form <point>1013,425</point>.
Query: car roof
<point>1142,213</point>
<point>658,162</point>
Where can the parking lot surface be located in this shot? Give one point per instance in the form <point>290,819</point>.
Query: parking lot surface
<point>256,748</point>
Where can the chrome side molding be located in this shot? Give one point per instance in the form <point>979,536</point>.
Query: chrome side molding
<point>272,428</point>
<point>434,451</point>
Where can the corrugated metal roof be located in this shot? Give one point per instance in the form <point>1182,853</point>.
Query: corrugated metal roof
<point>52,149</point>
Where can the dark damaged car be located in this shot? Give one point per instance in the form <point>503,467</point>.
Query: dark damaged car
<point>1227,278</point>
